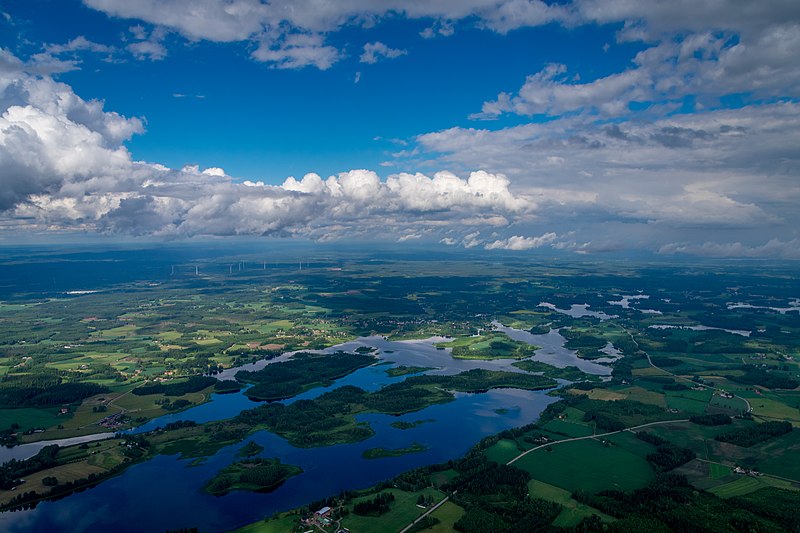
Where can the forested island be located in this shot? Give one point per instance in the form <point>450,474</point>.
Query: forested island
<point>255,474</point>
<point>304,371</point>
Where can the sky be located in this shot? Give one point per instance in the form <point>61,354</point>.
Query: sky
<point>583,126</point>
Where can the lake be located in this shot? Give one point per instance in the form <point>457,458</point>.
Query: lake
<point>165,492</point>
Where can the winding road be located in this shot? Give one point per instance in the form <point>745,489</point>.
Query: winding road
<point>554,443</point>
<point>650,361</point>
<point>573,439</point>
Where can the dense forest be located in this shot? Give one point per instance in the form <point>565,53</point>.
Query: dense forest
<point>375,506</point>
<point>717,419</point>
<point>42,389</point>
<point>11,471</point>
<point>750,435</point>
<point>496,498</point>
<point>667,455</point>
<point>282,380</point>
<point>770,378</point>
<point>670,503</point>
<point>178,388</point>
<point>257,474</point>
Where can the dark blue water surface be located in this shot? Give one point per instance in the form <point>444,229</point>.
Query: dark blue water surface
<point>166,492</point>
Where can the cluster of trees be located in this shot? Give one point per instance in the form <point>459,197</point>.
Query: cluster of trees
<point>530,514</point>
<point>496,497</point>
<point>412,480</point>
<point>286,379</point>
<point>587,343</point>
<point>176,405</point>
<point>570,373</point>
<point>711,420</point>
<point>178,424</point>
<point>780,506</point>
<point>375,506</point>
<point>426,523</point>
<point>665,362</point>
<point>102,371</point>
<point>667,455</point>
<point>251,449</point>
<point>43,389</point>
<point>481,380</point>
<point>176,388</point>
<point>425,501</point>
<point>405,397</point>
<point>11,471</point>
<point>750,435</point>
<point>604,421</point>
<point>225,386</point>
<point>615,415</point>
<point>30,499</point>
<point>769,378</point>
<point>670,503</point>
<point>254,474</point>
<point>315,422</point>
<point>497,348</point>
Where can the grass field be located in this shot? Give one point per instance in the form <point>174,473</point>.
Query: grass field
<point>640,394</point>
<point>448,514</point>
<point>587,465</point>
<point>573,511</point>
<point>776,410</point>
<point>630,443</point>
<point>503,451</point>
<point>780,456</point>
<point>603,394</point>
<point>718,471</point>
<point>403,510</point>
<point>29,417</point>
<point>568,428</point>
<point>747,484</point>
<point>79,463</point>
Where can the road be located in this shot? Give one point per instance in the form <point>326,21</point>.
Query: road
<point>573,439</point>
<point>554,443</point>
<point>762,473</point>
<point>426,513</point>
<point>650,361</point>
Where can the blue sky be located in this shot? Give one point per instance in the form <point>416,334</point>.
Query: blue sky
<point>582,126</point>
<point>265,123</point>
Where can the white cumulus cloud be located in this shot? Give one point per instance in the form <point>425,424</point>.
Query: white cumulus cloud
<point>518,242</point>
<point>373,52</point>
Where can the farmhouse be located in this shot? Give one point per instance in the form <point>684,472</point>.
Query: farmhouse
<point>323,513</point>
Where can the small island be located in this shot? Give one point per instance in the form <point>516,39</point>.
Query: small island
<point>256,474</point>
<point>251,449</point>
<point>302,372</point>
<point>569,373</point>
<point>402,424</point>
<point>495,345</point>
<point>403,370</point>
<point>379,453</point>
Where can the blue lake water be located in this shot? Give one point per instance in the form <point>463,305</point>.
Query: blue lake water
<point>165,492</point>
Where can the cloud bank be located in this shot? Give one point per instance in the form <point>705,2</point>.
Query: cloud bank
<point>690,148</point>
<point>63,166</point>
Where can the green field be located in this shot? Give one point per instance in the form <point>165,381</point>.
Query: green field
<point>403,510</point>
<point>179,327</point>
<point>503,451</point>
<point>587,465</point>
<point>573,511</point>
